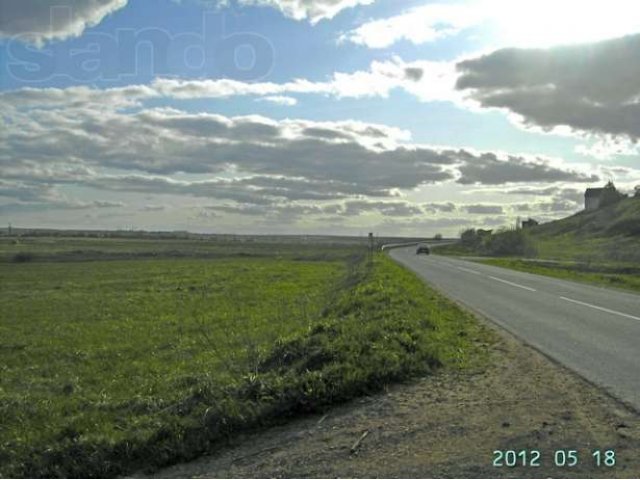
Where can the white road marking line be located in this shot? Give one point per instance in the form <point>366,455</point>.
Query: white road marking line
<point>513,284</point>
<point>468,270</point>
<point>614,312</point>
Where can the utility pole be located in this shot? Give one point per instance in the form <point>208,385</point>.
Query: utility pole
<point>10,230</point>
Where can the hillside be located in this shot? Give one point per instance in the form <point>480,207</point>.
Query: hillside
<point>622,218</point>
<point>610,234</point>
<point>601,247</point>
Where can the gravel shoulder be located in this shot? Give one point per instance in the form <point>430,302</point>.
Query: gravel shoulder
<point>447,425</point>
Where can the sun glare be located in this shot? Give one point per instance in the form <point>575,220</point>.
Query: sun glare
<point>544,23</point>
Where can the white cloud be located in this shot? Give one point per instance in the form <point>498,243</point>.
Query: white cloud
<point>280,100</point>
<point>545,23</point>
<point>38,21</point>
<point>418,25</point>
<point>608,147</point>
<point>312,10</point>
<point>429,81</point>
<point>522,23</point>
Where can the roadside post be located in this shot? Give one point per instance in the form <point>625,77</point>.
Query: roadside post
<point>371,246</point>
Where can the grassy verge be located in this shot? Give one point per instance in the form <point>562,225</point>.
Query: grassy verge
<point>566,259</point>
<point>602,275</point>
<point>111,367</point>
<point>455,250</point>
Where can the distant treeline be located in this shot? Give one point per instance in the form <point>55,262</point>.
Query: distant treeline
<point>214,237</point>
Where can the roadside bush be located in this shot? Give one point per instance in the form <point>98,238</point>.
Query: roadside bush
<point>470,238</point>
<point>510,242</point>
<point>23,257</point>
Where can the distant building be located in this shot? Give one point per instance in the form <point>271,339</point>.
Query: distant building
<point>530,223</point>
<point>593,198</point>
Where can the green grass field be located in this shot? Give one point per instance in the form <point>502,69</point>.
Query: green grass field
<point>112,366</point>
<point>74,249</point>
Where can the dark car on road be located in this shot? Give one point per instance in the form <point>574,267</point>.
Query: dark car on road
<point>423,249</point>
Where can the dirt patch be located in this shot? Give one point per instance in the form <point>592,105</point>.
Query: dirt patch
<point>447,425</point>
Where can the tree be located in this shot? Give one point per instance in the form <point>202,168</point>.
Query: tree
<point>637,191</point>
<point>511,242</point>
<point>470,238</point>
<point>610,195</point>
<point>438,236</point>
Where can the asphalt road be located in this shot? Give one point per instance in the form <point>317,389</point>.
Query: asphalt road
<point>593,331</point>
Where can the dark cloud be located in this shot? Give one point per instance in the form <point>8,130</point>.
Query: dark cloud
<point>164,185</point>
<point>488,169</point>
<point>26,192</point>
<point>561,199</point>
<point>522,207</point>
<point>330,212</point>
<point>154,208</point>
<point>259,167</point>
<point>162,142</point>
<point>447,207</point>
<point>424,226</point>
<point>414,74</point>
<point>57,204</point>
<point>591,88</point>
<point>326,133</point>
<point>256,190</point>
<point>105,204</point>
<point>564,193</point>
<point>388,209</point>
<point>282,212</point>
<point>483,209</point>
<point>37,21</point>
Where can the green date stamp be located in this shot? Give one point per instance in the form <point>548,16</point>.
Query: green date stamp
<point>557,458</point>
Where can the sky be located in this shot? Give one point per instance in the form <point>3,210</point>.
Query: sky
<point>407,118</point>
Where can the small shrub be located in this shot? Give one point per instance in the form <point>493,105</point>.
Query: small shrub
<point>627,226</point>
<point>23,257</point>
<point>470,238</point>
<point>510,242</point>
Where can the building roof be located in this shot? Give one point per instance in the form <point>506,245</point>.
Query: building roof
<point>593,192</point>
